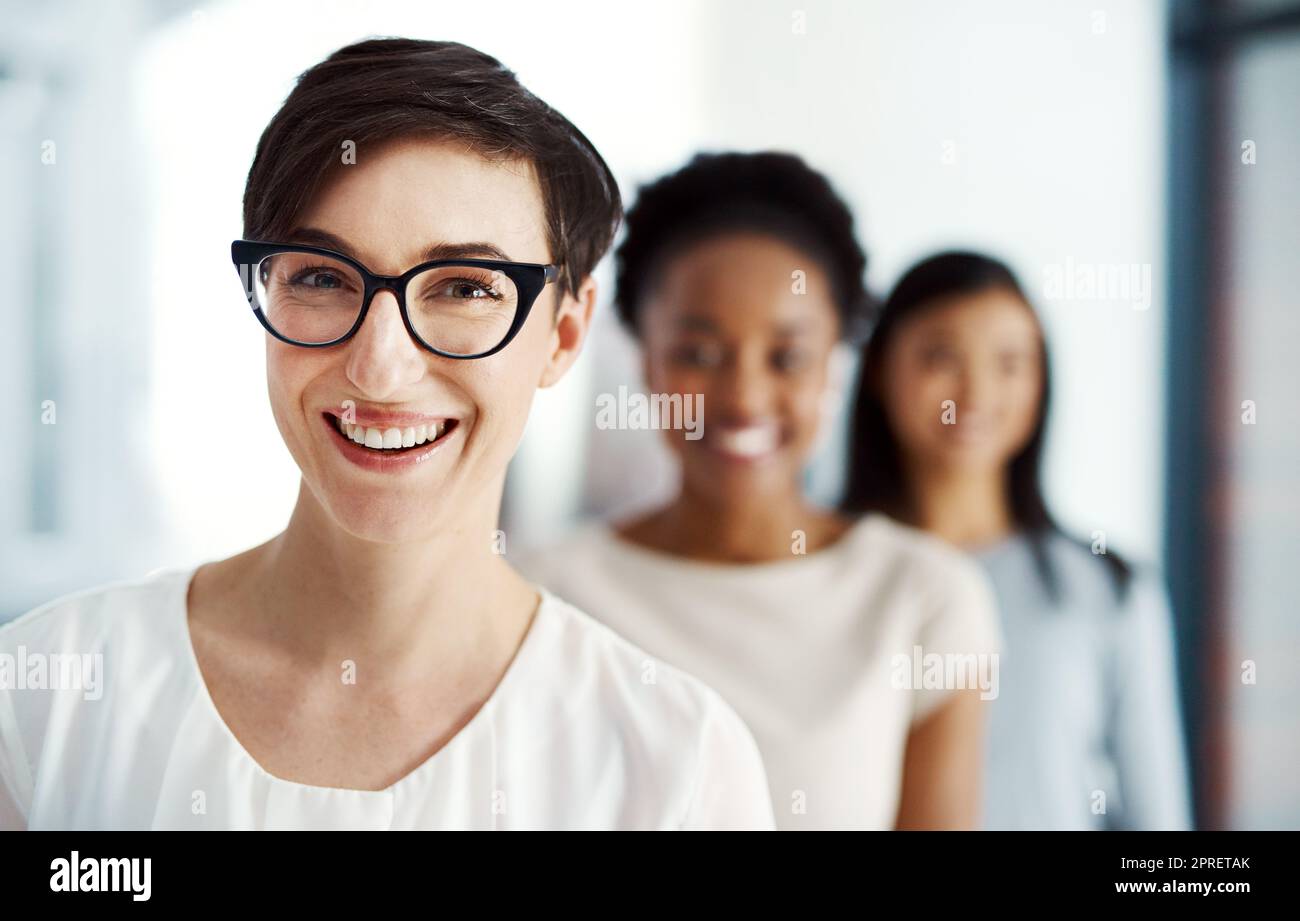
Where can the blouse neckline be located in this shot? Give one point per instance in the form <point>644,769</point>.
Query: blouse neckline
<point>680,564</point>
<point>518,663</point>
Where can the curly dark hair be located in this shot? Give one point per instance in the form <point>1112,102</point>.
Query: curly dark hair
<point>772,193</point>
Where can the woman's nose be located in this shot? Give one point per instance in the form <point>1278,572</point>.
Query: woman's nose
<point>973,388</point>
<point>382,356</point>
<point>745,388</point>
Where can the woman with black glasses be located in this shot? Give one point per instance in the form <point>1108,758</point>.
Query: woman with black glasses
<point>378,664</point>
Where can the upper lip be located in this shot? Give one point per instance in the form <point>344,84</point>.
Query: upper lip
<point>374,418</point>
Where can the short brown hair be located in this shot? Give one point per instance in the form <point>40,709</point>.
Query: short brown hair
<point>387,88</point>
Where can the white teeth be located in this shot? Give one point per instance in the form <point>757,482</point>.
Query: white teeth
<point>751,441</point>
<point>387,439</point>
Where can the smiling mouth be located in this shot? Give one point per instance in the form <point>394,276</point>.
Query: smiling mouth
<point>746,443</point>
<point>393,439</point>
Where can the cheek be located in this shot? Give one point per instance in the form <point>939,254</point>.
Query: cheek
<point>501,389</point>
<point>669,378</point>
<point>804,397</point>
<point>498,390</point>
<point>914,401</point>
<point>288,372</point>
<point>663,375</point>
<point>1021,402</point>
<point>686,381</point>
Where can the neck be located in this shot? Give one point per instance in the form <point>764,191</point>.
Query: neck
<point>745,531</point>
<point>970,509</point>
<point>444,602</point>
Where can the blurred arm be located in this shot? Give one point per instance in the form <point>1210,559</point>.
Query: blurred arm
<point>1146,730</point>
<point>943,766</point>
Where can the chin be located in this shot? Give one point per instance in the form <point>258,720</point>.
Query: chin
<point>739,483</point>
<point>394,526</point>
<point>379,515</point>
<point>973,457</point>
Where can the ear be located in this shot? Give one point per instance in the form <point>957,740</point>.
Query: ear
<point>569,332</point>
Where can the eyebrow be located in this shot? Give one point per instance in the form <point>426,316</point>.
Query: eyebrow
<point>692,322</point>
<point>314,236</point>
<point>699,323</point>
<point>794,328</point>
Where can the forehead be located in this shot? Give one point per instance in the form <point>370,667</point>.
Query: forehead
<point>400,198</point>
<point>738,283</point>
<point>992,314</point>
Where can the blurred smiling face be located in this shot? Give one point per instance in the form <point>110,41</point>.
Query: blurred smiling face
<point>723,319</point>
<point>431,436</point>
<point>982,351</point>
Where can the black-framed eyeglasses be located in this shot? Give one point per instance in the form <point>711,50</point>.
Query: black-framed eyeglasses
<point>456,308</point>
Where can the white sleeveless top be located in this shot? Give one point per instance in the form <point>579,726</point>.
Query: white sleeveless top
<point>806,649</point>
<point>105,723</point>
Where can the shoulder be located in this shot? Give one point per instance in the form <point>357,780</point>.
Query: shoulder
<point>658,722</point>
<point>1144,614</point>
<point>1091,582</point>
<point>944,597</point>
<point>1075,555</point>
<point>930,566</point>
<point>646,691</point>
<point>86,619</point>
<point>950,600</point>
<point>67,667</point>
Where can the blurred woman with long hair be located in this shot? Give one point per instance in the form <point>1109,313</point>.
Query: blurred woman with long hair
<point>948,435</point>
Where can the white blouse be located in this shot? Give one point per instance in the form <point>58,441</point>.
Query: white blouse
<point>106,723</point>
<point>820,654</point>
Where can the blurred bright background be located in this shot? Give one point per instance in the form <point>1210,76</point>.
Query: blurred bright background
<point>1071,133</point>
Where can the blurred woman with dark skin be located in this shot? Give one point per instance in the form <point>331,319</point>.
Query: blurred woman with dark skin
<point>739,275</point>
<point>948,435</point>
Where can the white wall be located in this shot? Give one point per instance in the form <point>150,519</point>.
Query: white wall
<point>208,85</point>
<point>1055,118</point>
<point>77,506</point>
<point>1059,151</point>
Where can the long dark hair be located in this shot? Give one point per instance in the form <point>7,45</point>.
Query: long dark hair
<point>877,481</point>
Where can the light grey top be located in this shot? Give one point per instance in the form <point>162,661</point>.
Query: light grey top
<point>1085,732</point>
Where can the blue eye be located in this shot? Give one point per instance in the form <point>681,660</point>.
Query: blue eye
<point>317,278</point>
